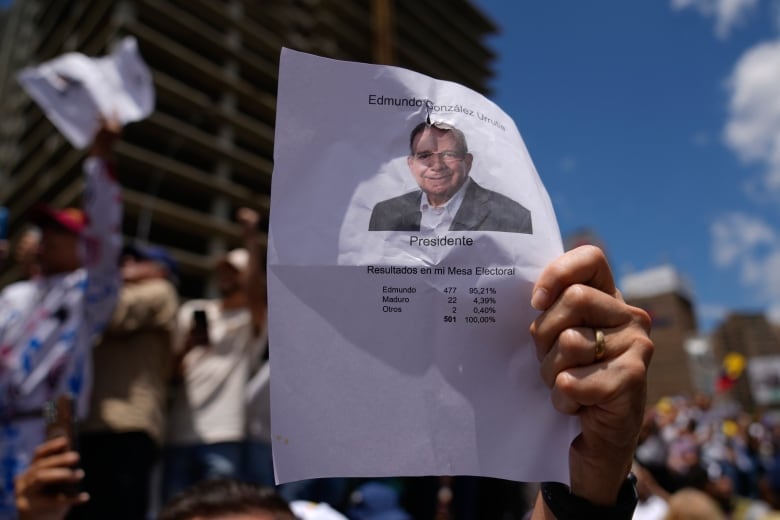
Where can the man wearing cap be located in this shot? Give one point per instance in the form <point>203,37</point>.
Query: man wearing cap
<point>123,433</point>
<point>218,342</point>
<point>48,324</point>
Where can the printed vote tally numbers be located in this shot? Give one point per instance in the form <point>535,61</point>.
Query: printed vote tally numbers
<point>467,303</point>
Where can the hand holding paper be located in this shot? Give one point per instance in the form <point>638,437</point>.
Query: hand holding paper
<point>607,390</point>
<point>76,92</point>
<point>407,244</point>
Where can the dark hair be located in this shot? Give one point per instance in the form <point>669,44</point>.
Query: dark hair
<point>217,497</point>
<point>460,137</point>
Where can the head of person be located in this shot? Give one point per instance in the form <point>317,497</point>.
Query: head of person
<point>439,160</point>
<point>26,252</point>
<point>58,249</point>
<point>693,504</point>
<point>231,272</point>
<point>227,499</point>
<point>144,262</point>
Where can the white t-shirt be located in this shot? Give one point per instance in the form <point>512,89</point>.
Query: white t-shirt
<point>209,406</point>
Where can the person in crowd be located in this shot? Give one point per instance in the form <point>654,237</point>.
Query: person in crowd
<point>22,259</point>
<point>693,504</point>
<point>653,499</point>
<point>122,436</point>
<point>26,253</point>
<point>48,324</point>
<point>448,198</point>
<point>594,351</point>
<point>720,487</point>
<point>376,500</point>
<point>224,498</point>
<point>217,342</point>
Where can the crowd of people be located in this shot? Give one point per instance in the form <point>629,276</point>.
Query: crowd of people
<point>713,448</point>
<point>95,334</point>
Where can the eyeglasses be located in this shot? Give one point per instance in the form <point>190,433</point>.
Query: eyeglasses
<point>429,158</point>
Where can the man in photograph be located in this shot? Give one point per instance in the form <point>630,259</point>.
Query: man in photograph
<point>448,199</point>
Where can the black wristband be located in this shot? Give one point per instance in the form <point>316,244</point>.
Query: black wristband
<point>566,506</point>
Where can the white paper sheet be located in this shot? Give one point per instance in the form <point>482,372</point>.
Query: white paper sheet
<point>391,356</point>
<point>74,91</point>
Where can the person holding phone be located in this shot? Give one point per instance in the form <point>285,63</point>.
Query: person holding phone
<point>217,341</point>
<point>121,438</point>
<point>49,323</point>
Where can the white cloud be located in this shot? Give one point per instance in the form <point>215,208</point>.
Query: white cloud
<point>753,128</point>
<point>727,13</point>
<point>753,247</point>
<point>735,236</point>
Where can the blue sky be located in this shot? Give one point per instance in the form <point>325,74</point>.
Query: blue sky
<point>657,125</point>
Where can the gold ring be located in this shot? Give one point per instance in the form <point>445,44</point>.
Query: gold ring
<point>601,344</point>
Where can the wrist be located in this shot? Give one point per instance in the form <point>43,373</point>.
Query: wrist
<point>564,504</point>
<point>598,478</point>
<point>598,484</point>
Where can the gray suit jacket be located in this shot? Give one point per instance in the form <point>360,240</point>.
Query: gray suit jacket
<point>481,210</point>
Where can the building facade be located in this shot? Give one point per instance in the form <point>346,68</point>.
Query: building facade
<point>665,295</point>
<point>753,337</point>
<point>208,147</point>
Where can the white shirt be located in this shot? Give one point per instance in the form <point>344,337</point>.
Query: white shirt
<point>654,508</point>
<point>439,219</point>
<point>210,406</point>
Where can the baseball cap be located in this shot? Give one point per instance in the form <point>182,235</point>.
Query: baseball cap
<point>153,254</point>
<point>69,219</point>
<point>376,501</point>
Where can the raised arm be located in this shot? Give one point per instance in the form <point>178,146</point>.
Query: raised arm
<point>102,237</point>
<point>255,276</point>
<point>594,351</point>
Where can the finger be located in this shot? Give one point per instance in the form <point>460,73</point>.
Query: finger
<point>574,347</point>
<point>578,306</point>
<point>50,447</point>
<point>584,265</point>
<point>48,503</point>
<point>65,460</point>
<point>604,382</point>
<point>49,476</point>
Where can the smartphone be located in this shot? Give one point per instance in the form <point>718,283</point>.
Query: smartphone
<point>59,416</point>
<point>200,326</point>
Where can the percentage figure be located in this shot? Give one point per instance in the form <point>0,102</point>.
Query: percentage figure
<point>480,319</point>
<point>482,290</point>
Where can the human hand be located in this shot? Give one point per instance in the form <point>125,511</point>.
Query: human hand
<point>249,219</point>
<point>52,464</point>
<point>109,133</point>
<point>577,295</point>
